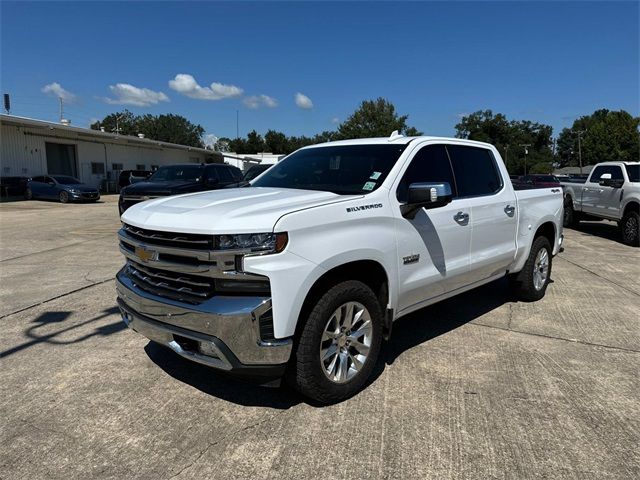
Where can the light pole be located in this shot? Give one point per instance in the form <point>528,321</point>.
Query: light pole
<point>579,133</point>
<point>526,152</point>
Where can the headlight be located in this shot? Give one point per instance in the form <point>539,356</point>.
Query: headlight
<point>74,191</point>
<point>255,242</point>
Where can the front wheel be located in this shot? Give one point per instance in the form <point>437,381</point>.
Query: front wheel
<point>64,197</point>
<point>28,194</point>
<point>339,343</point>
<point>630,229</point>
<point>531,283</point>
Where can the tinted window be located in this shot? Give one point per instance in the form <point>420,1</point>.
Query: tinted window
<point>225,175</point>
<point>475,171</point>
<point>615,171</point>
<point>546,178</point>
<point>65,180</point>
<point>211,173</point>
<point>38,179</point>
<point>430,164</point>
<point>634,173</point>
<point>188,173</point>
<point>344,169</point>
<point>236,173</point>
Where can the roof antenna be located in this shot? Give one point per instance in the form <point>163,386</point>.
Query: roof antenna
<point>395,135</point>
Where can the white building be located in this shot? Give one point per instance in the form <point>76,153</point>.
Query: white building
<point>245,161</point>
<point>34,147</point>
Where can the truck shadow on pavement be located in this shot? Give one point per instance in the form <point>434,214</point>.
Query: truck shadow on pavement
<point>603,229</point>
<point>408,332</point>
<point>39,332</point>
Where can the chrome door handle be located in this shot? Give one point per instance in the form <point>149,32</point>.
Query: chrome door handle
<point>510,210</point>
<point>461,217</point>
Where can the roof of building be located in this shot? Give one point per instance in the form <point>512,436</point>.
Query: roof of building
<point>570,170</point>
<point>63,129</point>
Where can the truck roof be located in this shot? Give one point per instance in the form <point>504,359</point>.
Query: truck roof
<point>398,140</point>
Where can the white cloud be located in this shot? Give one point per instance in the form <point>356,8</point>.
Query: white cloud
<point>126,94</point>
<point>257,101</point>
<point>185,84</point>
<point>56,90</point>
<point>210,139</point>
<point>303,101</point>
<point>335,120</point>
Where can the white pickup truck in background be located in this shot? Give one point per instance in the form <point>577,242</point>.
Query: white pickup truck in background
<point>303,273</point>
<point>611,192</point>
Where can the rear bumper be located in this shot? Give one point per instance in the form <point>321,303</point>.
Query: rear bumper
<point>222,332</point>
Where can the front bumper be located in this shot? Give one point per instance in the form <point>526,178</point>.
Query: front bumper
<point>222,332</point>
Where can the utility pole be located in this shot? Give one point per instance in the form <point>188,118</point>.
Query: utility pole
<point>237,123</point>
<point>117,129</point>
<point>506,154</point>
<point>526,152</point>
<point>61,109</point>
<point>580,133</point>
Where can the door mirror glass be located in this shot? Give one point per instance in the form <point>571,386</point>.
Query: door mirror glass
<point>426,195</point>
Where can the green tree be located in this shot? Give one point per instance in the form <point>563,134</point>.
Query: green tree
<point>374,118</point>
<point>604,136</point>
<point>165,128</point>
<point>509,137</point>
<point>255,142</point>
<point>276,142</point>
<point>123,123</point>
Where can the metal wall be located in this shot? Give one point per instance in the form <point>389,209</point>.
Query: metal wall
<point>22,153</point>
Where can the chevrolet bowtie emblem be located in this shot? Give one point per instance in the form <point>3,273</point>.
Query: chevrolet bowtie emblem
<point>146,255</point>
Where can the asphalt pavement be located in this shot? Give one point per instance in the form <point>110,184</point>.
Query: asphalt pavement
<point>477,387</point>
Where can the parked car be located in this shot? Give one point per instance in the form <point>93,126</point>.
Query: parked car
<point>13,186</point>
<point>60,187</point>
<point>306,270</point>
<point>254,171</point>
<point>129,177</point>
<point>176,179</point>
<point>538,181</point>
<point>611,192</point>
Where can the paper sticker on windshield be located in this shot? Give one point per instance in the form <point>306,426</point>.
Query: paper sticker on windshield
<point>375,175</point>
<point>334,163</point>
<point>369,186</point>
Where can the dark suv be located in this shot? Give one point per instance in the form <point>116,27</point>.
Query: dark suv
<point>177,179</point>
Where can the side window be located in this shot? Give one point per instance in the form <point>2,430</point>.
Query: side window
<point>236,173</point>
<point>430,164</point>
<point>38,179</point>
<point>475,171</point>
<point>211,173</point>
<point>49,180</point>
<point>225,175</point>
<point>614,170</point>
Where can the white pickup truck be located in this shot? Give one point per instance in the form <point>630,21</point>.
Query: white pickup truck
<point>303,273</point>
<point>611,192</point>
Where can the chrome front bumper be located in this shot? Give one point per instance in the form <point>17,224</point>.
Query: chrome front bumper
<point>222,332</point>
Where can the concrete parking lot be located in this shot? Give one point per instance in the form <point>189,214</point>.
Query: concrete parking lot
<point>479,386</point>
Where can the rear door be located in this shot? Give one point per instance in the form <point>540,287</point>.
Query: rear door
<point>493,212</point>
<point>433,248</point>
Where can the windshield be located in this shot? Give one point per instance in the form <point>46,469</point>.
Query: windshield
<point>345,169</point>
<point>187,173</point>
<point>634,172</point>
<point>547,178</point>
<point>64,180</point>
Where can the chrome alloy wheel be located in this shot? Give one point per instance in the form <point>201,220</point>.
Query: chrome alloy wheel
<point>541,269</point>
<point>631,228</point>
<point>345,342</point>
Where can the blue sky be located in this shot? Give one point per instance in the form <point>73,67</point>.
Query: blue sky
<point>543,61</point>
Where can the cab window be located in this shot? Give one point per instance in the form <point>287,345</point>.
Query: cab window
<point>614,170</point>
<point>475,171</point>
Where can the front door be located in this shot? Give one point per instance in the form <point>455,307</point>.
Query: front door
<point>433,248</point>
<point>599,199</point>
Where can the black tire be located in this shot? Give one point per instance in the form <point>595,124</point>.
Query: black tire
<point>630,229</point>
<point>64,197</point>
<point>307,371</point>
<point>570,217</point>
<point>28,194</point>
<point>523,283</point>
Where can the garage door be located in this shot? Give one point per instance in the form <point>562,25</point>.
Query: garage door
<point>61,159</point>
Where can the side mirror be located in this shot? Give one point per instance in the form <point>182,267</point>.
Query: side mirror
<point>426,195</point>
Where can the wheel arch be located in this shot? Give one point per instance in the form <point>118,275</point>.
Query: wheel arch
<point>631,206</point>
<point>547,230</point>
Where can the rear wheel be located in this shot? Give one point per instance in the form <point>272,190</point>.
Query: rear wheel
<point>570,218</point>
<point>28,194</point>
<point>64,197</point>
<point>531,283</point>
<point>339,343</point>
<point>630,229</point>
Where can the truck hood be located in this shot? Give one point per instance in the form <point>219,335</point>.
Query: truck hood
<point>233,210</point>
<point>157,188</point>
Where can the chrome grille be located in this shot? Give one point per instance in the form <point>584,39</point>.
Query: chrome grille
<point>176,286</point>
<point>154,237</point>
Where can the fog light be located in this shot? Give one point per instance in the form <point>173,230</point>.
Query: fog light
<point>208,348</point>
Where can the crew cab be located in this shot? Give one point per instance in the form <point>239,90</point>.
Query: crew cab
<point>611,192</point>
<point>302,273</point>
<point>176,179</point>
